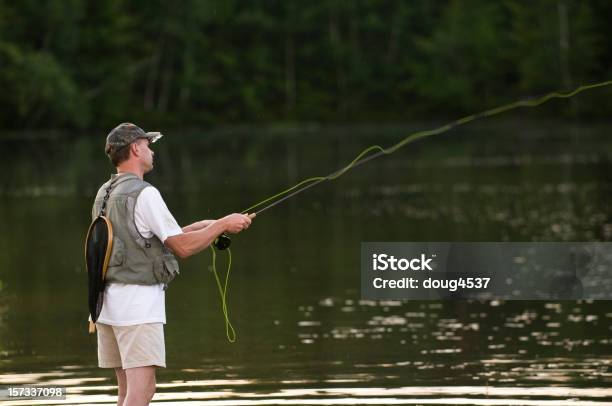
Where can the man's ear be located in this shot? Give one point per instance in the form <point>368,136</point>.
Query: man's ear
<point>134,149</point>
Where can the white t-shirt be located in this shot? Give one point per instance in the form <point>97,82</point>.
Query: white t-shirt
<point>125,304</point>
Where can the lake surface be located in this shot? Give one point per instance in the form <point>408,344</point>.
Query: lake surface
<point>304,334</point>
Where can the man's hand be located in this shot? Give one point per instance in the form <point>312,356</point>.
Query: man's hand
<point>236,222</point>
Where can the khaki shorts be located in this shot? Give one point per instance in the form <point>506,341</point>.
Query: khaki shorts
<point>134,346</point>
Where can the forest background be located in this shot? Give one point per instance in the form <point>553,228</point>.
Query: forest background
<point>89,64</point>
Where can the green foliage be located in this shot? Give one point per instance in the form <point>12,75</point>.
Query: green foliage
<point>463,64</point>
<point>76,64</point>
<point>38,89</point>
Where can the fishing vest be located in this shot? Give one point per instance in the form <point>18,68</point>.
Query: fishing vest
<point>134,259</point>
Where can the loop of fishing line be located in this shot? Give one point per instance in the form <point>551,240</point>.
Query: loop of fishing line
<point>229,329</point>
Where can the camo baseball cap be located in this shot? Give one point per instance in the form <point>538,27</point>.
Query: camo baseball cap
<point>125,134</point>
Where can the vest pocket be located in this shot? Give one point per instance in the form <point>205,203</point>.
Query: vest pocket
<point>165,267</point>
<point>117,253</point>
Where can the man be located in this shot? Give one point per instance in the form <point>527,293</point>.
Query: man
<point>145,237</point>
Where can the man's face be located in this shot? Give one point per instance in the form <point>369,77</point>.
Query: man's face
<point>145,154</point>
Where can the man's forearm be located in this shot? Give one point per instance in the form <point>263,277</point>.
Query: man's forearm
<point>198,225</point>
<point>192,242</point>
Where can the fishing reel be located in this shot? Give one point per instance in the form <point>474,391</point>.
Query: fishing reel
<point>222,242</point>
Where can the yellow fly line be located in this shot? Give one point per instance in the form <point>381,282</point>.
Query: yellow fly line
<point>363,155</point>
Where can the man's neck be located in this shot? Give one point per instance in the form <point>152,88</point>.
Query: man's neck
<point>130,169</point>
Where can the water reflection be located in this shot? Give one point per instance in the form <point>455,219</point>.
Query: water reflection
<point>304,336</point>
<point>188,393</point>
<point>514,336</point>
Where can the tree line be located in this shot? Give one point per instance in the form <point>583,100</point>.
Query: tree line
<point>90,64</point>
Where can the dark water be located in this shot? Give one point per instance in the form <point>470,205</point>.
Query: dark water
<point>304,334</point>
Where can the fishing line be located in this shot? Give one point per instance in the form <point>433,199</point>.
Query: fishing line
<point>359,159</point>
<point>229,329</point>
<point>367,155</point>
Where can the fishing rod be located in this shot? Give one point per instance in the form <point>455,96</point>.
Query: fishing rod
<point>223,241</point>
